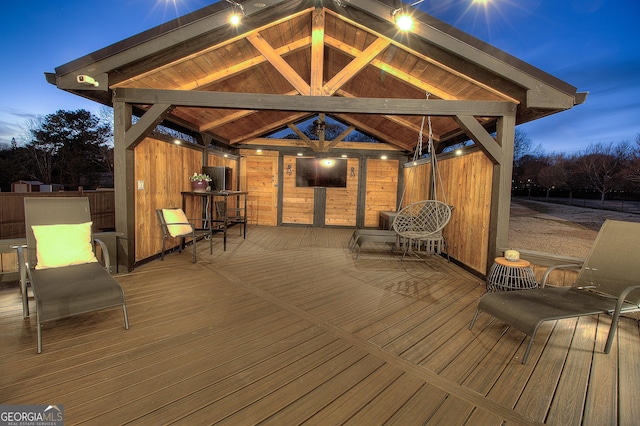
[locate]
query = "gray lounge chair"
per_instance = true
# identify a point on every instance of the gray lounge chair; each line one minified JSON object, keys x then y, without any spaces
{"x":181,"y":228}
{"x":62,"y":291}
{"x":608,"y":282}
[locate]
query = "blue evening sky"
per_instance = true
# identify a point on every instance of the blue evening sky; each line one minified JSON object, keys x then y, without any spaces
{"x":591,"y":44}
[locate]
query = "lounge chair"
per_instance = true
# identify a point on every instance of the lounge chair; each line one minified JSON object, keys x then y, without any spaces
{"x":175,"y":224}
{"x":61,"y":265}
{"x":608,"y":282}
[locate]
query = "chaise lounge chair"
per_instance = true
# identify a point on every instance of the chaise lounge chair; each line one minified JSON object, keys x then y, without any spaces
{"x":608,"y":282}
{"x":64,"y":273}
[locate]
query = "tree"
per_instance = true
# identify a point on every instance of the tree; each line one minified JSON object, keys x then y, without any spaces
{"x":605,"y":166}
{"x":634,"y":164}
{"x":68,"y":145}
{"x":553,"y":174}
{"x":523,"y":147}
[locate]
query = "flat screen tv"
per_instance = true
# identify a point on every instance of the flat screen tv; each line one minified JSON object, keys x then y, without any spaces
{"x":327,"y":172}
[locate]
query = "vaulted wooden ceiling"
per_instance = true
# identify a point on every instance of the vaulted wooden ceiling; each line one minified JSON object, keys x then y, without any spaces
{"x":348,"y":50}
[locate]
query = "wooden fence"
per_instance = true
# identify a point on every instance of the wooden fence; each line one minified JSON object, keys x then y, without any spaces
{"x":102,"y":205}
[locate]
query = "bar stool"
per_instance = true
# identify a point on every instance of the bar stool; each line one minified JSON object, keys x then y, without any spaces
{"x":506,"y":275}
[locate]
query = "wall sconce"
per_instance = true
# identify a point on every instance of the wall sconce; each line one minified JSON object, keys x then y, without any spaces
{"x":289,"y":171}
{"x":353,"y":172}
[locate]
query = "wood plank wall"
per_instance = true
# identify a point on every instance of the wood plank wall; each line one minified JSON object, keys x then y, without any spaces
{"x":466,"y":183}
{"x":258,"y":176}
{"x":382,"y":189}
{"x":164,"y":168}
{"x":297,"y":202}
{"x":417,"y":180}
{"x":342,"y":203}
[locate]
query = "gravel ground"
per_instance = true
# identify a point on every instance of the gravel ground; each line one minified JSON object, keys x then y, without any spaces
{"x":556,"y":228}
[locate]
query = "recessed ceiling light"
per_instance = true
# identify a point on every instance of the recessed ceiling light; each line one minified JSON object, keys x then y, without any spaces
{"x":259,"y":4}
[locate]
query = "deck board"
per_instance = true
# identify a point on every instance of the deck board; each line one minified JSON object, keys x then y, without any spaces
{"x":287,"y":327}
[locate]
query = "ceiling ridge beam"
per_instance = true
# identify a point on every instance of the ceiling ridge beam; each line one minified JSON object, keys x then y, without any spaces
{"x":317,"y":51}
{"x":279,"y":63}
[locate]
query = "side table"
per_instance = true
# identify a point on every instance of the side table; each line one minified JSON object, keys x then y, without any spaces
{"x":506,"y":275}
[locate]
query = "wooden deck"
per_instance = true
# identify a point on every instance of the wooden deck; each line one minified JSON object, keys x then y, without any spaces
{"x":286,"y":327}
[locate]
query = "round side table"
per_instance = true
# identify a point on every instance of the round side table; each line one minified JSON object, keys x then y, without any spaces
{"x":505,"y":275}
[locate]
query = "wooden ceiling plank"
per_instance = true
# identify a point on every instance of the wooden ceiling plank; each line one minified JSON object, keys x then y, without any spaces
{"x":317,"y":51}
{"x":557,"y":98}
{"x":355,"y":66}
{"x":243,"y":66}
{"x":400,"y":75}
{"x":233,"y":116}
{"x":237,"y":115}
{"x":436,"y":63}
{"x":279,"y":63}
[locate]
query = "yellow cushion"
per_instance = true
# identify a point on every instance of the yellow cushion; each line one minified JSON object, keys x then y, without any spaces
{"x":180,"y":220}
{"x":63,"y":245}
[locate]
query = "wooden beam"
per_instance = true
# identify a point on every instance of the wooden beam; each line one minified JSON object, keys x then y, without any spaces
{"x":304,"y":137}
{"x":146,"y":123}
{"x":279,"y":64}
{"x":236,"y":115}
{"x":481,"y":137}
{"x":400,"y":75}
{"x":340,"y":137}
{"x":310,"y":104}
{"x":243,"y":66}
{"x":355,"y":66}
{"x":124,"y":176}
{"x":317,"y":51}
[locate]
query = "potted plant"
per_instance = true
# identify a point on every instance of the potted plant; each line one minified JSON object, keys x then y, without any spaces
{"x":199,"y":182}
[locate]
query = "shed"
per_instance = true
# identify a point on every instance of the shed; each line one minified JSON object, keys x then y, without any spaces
{"x":289,"y":61}
{"x":26,"y":186}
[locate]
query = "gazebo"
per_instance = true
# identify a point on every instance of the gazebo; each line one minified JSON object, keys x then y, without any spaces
{"x":227,"y":87}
